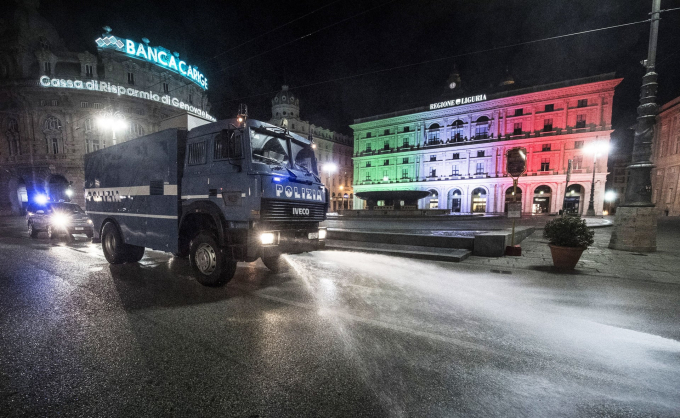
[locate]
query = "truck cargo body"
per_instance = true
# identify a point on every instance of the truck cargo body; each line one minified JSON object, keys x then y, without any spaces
{"x":252,"y":186}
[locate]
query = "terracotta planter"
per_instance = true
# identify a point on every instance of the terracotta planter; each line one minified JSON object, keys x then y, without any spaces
{"x":565,"y":258}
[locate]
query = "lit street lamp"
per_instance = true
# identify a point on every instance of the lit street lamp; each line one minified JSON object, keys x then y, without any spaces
{"x":596,"y":149}
{"x":113,"y":121}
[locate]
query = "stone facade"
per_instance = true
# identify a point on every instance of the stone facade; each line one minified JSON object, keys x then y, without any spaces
{"x":331,"y":147}
{"x":666,"y":158}
{"x":46,"y":130}
{"x":458,"y":153}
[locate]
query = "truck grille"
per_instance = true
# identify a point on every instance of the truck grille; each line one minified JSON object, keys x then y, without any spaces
{"x":294,"y":212}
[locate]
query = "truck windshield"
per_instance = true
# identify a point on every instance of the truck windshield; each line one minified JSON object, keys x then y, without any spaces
{"x":273,"y":151}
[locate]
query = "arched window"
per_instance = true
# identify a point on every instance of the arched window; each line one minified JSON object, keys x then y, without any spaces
{"x":457,"y":131}
{"x":482,"y":128}
{"x":53,"y":135}
{"x":433,"y":134}
{"x":12,"y":134}
{"x":52,"y":124}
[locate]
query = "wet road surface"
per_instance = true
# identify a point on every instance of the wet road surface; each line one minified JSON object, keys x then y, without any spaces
{"x":340,"y":334}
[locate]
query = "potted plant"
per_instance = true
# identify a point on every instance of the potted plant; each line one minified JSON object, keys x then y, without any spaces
{"x":568,"y":238}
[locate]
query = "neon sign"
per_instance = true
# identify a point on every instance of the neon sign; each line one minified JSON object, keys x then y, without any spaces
{"x":458,"y":102}
{"x":94,"y":85}
{"x":156,"y":55}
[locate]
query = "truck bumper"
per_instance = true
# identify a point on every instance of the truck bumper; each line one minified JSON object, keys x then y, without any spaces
{"x":286,"y":242}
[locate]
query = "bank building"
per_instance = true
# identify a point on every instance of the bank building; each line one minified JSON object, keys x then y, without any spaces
{"x":56,"y":105}
{"x":455,"y":148}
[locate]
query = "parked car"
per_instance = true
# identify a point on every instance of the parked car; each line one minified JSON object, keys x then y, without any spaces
{"x":57,"y":219}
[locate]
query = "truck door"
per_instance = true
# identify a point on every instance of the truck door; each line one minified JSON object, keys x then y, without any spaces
{"x":229,"y":189}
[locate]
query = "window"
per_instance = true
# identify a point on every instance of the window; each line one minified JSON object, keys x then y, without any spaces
{"x":368,"y":147}
{"x":131,"y":78}
{"x":386,"y":162}
{"x":404,"y":173}
{"x":480,"y":153}
{"x":433,"y":172}
{"x":47,"y":66}
{"x":88,"y":125}
{"x":580,"y":121}
{"x":89,"y":70}
{"x":407,"y":129}
{"x":549,"y":107}
{"x":519,"y":112}
{"x":454,"y":171}
{"x":404,"y":160}
{"x":482,"y":131}
{"x":135,"y":130}
{"x":385,"y":175}
{"x":386,"y":132}
{"x":166,"y":88}
{"x":577,"y":162}
{"x":386,"y":145}
{"x":433,"y":137}
{"x":368,"y":134}
{"x":433,"y":158}
{"x":97,"y":105}
{"x":43,"y":103}
{"x":455,"y":156}
{"x":546,"y":147}
{"x":55,"y":102}
{"x":545,"y":164}
{"x":480,"y":168}
{"x":84,"y":105}
{"x":517,"y":128}
{"x":368,"y":163}
{"x":55,"y":145}
{"x":12,"y":134}
{"x":92,"y":145}
{"x":368,"y":176}
{"x":582,"y":103}
{"x":404,"y":142}
{"x":197,"y":153}
{"x":578,"y":144}
{"x":547,"y":125}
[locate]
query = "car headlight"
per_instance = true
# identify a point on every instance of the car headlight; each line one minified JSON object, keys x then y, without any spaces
{"x":267,"y":238}
{"x":322,"y":234}
{"x":59,"y":220}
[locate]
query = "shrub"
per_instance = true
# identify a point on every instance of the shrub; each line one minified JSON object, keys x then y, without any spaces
{"x":568,"y":232}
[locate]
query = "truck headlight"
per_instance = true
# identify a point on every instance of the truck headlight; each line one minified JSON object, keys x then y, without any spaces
{"x":59,"y":220}
{"x":89,"y":221}
{"x":268,"y":238}
{"x":322,"y":234}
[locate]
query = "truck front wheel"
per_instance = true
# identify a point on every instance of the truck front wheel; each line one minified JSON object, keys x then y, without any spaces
{"x":112,"y":244}
{"x":211,"y":266}
{"x":275,"y":263}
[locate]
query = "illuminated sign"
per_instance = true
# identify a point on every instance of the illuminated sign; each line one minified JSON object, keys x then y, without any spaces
{"x":458,"y":102}
{"x":102,"y":86}
{"x":156,"y":55}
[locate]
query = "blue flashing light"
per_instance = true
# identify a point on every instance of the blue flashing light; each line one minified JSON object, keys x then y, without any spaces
{"x":40,"y":199}
{"x":277,"y":179}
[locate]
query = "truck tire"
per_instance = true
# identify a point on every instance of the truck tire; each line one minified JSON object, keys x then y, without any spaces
{"x":32,"y":232}
{"x":275,"y":263}
{"x":113,"y":246}
{"x":135,"y":253}
{"x":211,"y":266}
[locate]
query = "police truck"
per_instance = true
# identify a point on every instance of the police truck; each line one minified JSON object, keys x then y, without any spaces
{"x":219,"y":193}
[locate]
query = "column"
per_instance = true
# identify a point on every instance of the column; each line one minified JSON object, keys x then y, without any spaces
{"x":447,"y":130}
{"x":565,"y":114}
{"x":469,"y":129}
{"x":502,"y":122}
{"x":533,"y":120}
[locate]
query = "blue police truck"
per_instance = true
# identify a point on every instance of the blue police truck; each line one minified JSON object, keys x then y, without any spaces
{"x":219,"y":193}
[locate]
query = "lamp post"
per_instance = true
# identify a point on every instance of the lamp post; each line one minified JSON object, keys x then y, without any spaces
{"x":329,"y":168}
{"x":113,"y":121}
{"x":597,"y":149}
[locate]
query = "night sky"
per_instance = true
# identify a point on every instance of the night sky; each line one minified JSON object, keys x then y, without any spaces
{"x":366,"y":36}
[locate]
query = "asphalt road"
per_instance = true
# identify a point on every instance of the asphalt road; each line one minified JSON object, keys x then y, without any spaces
{"x":341,"y":334}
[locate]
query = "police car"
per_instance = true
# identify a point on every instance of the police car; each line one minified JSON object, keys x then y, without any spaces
{"x":57,"y":219}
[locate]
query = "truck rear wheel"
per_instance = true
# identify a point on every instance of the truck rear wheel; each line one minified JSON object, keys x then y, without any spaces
{"x":275,"y":263}
{"x":211,"y":266}
{"x":113,"y":246}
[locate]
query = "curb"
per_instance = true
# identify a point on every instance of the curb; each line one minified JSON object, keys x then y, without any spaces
{"x":456,"y":256}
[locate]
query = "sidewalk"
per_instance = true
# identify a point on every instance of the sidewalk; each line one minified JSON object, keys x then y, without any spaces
{"x":598,"y":260}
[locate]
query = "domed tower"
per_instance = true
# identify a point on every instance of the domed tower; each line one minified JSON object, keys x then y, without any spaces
{"x":285,"y":105}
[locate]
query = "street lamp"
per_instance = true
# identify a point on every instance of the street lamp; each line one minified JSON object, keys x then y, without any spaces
{"x":596,"y":149}
{"x":113,"y":121}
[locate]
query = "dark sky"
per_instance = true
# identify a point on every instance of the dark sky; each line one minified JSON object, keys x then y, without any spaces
{"x":393,"y":33}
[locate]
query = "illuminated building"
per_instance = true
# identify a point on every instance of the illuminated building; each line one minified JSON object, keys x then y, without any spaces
{"x":51,"y":100}
{"x":666,"y":158}
{"x":333,"y":150}
{"x":455,"y":148}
